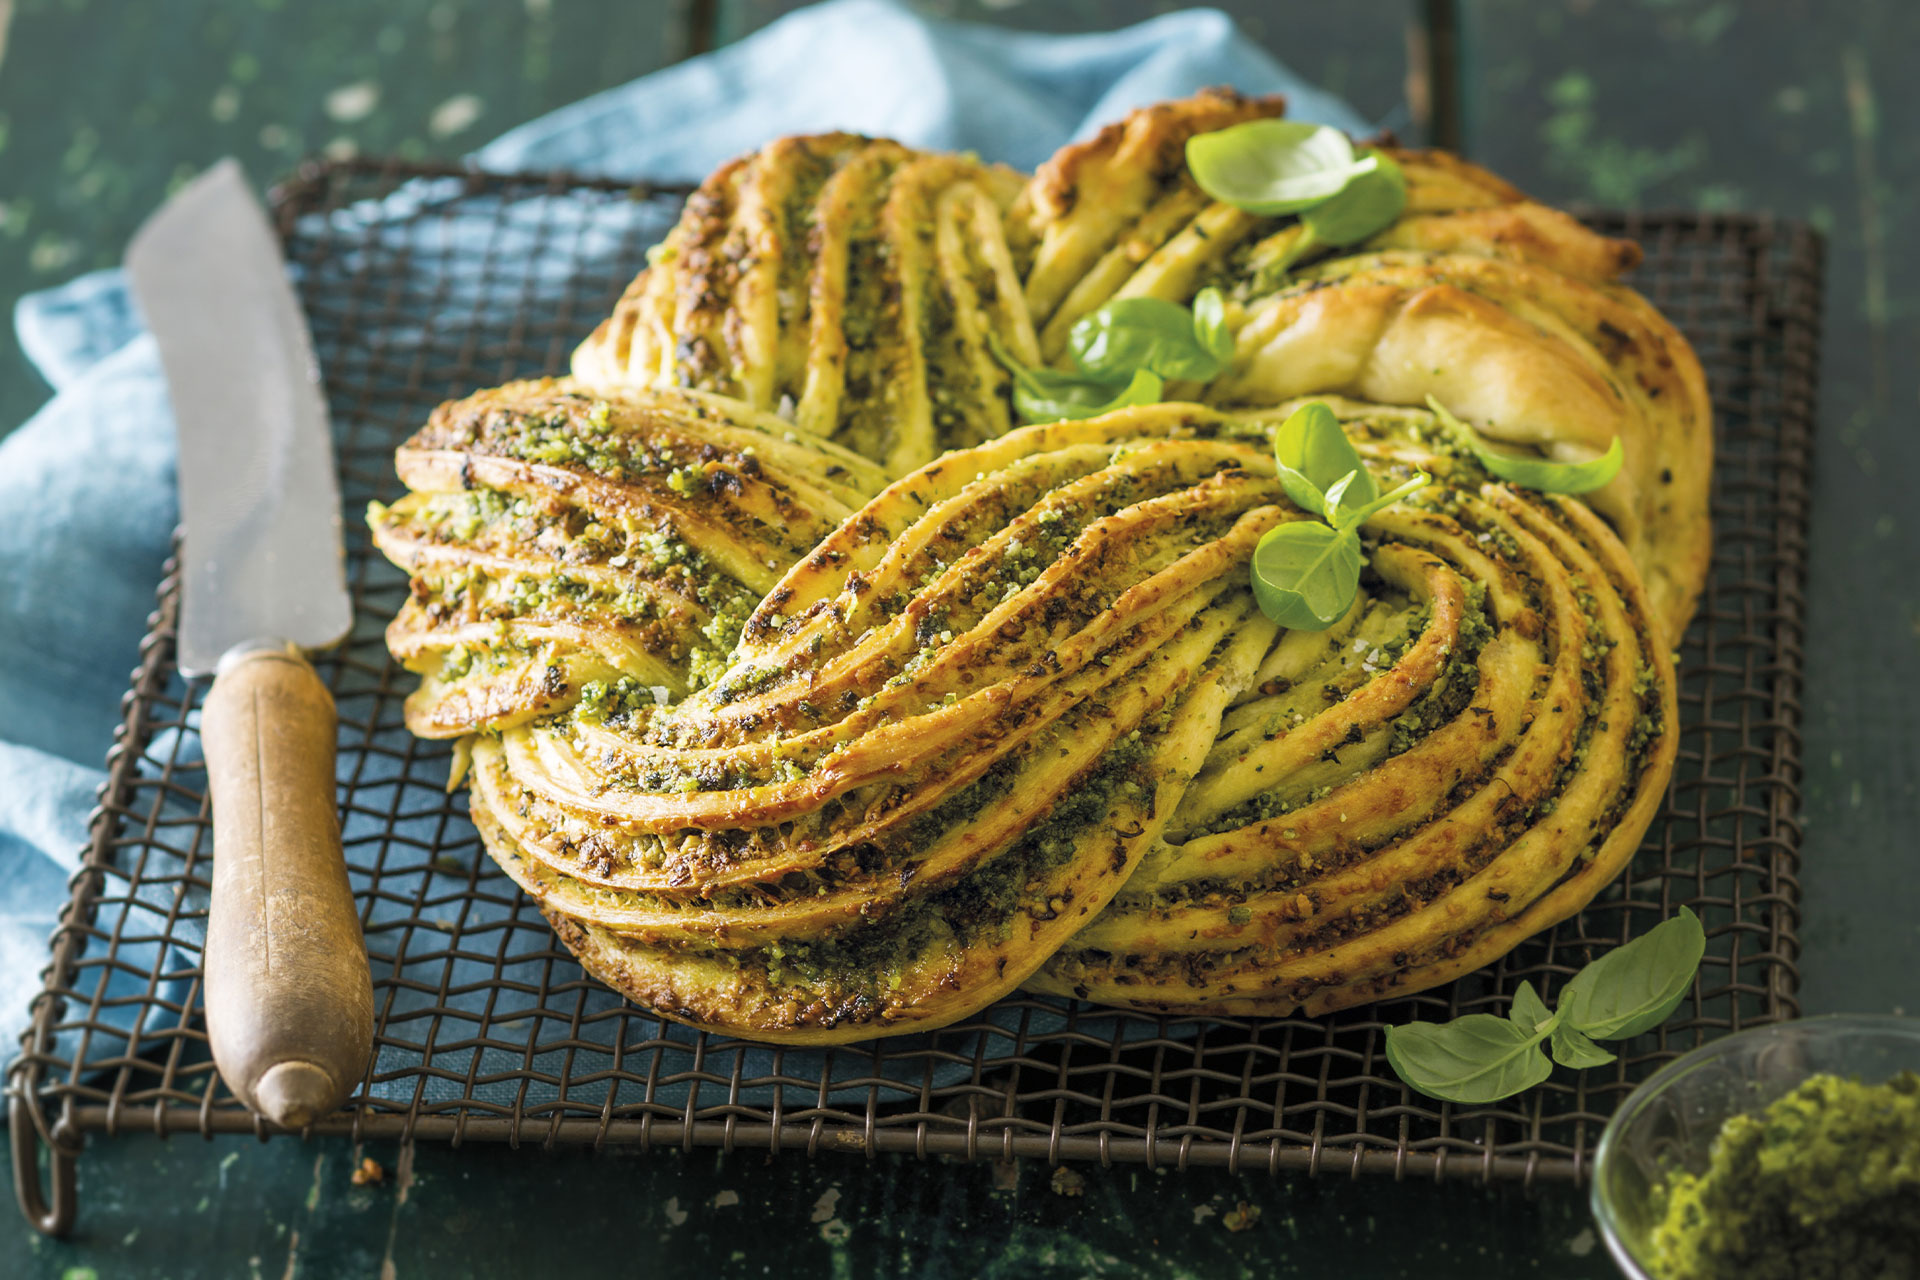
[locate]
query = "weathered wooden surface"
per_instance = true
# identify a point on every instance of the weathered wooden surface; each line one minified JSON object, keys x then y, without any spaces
{"x":1811,"y":111}
{"x":190,"y":1210}
{"x":106,"y":104}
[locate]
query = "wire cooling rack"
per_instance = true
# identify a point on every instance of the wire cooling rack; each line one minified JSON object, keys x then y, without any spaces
{"x":425,"y":283}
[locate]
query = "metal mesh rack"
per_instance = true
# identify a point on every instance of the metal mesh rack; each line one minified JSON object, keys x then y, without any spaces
{"x":423,"y":283}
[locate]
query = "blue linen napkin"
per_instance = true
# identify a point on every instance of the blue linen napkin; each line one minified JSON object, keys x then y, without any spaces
{"x":88,"y":486}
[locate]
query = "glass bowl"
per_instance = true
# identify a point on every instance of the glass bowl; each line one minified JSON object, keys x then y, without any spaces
{"x":1670,"y":1121}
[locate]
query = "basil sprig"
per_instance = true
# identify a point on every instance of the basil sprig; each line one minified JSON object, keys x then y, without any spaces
{"x":1482,"y":1057}
{"x":1123,"y":354}
{"x":1540,"y":474}
{"x":1305,"y":573}
{"x":1152,"y":333}
{"x":1210,"y":328}
{"x":1051,"y":395}
{"x":1313,"y":453}
{"x":1272,"y":167}
{"x":1365,"y":206}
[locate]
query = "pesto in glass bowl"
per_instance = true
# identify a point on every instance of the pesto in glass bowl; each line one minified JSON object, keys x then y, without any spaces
{"x":1788,"y":1152}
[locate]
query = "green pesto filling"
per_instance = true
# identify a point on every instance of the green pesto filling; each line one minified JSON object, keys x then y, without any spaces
{"x":557,"y":438}
{"x":961,"y":807}
{"x":615,"y":702}
{"x":1459,"y":680}
{"x":463,"y":515}
{"x":1651,"y":723}
{"x":1023,"y":558}
{"x":1824,"y":1182}
{"x":1265,"y":806}
{"x":985,"y":901}
{"x":722,"y":631}
{"x":871,"y":961}
{"x":742,"y":681}
{"x":729,"y":603}
{"x":524,"y":595}
{"x":1442,"y":703}
{"x":657,"y":552}
{"x":654,"y":552}
{"x":1201,"y":891}
{"x":591,"y":442}
{"x":463,"y":660}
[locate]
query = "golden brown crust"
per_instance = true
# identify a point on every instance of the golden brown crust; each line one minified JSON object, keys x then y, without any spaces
{"x":1526,"y":353}
{"x":1144,"y":150}
{"x":1522,"y":231}
{"x":1440,"y":181}
{"x":899,"y":825}
{"x":846,"y":282}
{"x":1532,"y":776}
{"x":798,"y":728}
{"x":557,"y":536}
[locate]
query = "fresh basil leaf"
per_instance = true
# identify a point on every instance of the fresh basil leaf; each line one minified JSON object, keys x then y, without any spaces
{"x":1366,"y":206}
{"x":1636,"y":986}
{"x":1051,"y":395}
{"x":1473,"y":1059}
{"x":1529,"y":1011}
{"x":1141,"y":333}
{"x":1540,"y":474}
{"x":1572,"y":1048}
{"x":1275,"y":166}
{"x":1210,"y":325}
{"x":1341,"y":516}
{"x":1480,"y":1057}
{"x":1313,"y":453}
{"x":1305,"y":574}
{"x":1335,"y":495}
{"x":1047,"y":395}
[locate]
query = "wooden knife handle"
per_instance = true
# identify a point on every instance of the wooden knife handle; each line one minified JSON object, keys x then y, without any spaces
{"x":289,"y":999}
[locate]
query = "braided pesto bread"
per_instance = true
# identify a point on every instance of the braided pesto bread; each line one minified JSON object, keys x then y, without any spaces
{"x":815,"y":700}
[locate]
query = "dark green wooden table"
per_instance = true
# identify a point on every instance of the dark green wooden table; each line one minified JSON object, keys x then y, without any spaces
{"x":1778,"y":105}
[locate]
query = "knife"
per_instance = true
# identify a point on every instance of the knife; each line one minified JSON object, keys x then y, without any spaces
{"x":288,"y":996}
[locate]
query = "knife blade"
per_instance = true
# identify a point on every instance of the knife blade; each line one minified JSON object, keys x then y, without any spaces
{"x":288,"y":997}
{"x":259,"y":503}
